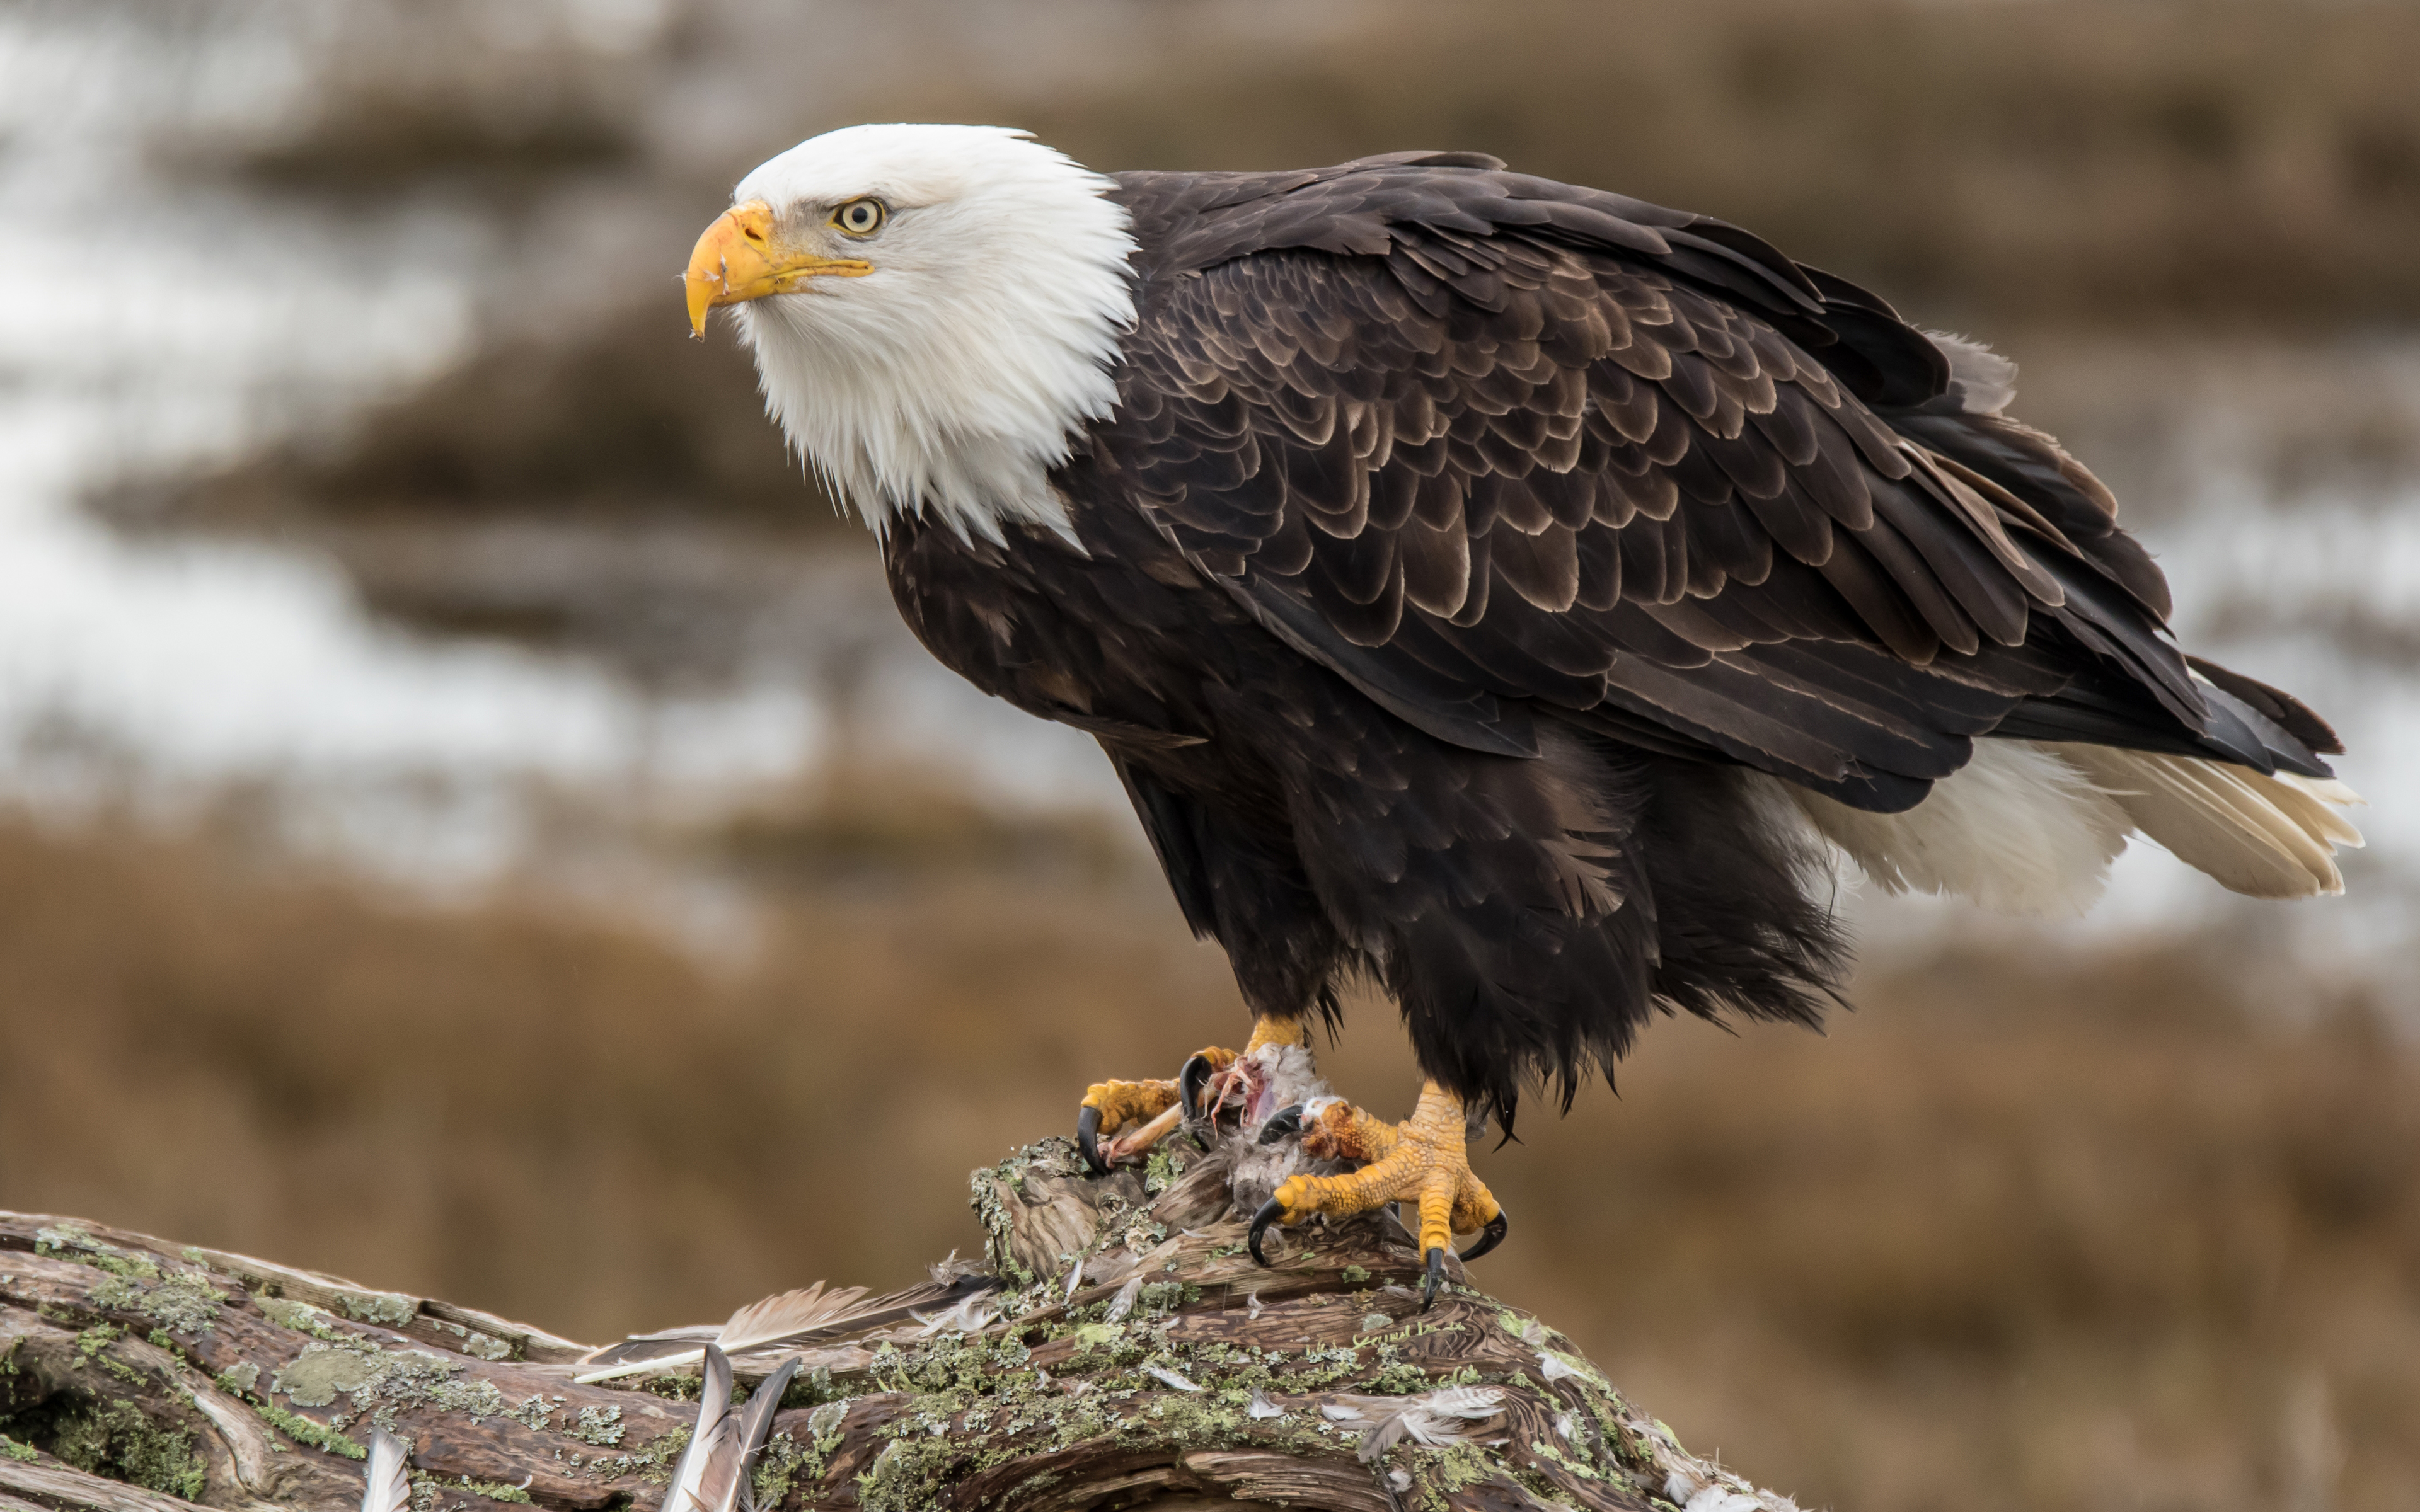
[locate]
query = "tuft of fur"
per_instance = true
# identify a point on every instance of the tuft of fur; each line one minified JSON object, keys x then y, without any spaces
{"x":958,"y":373}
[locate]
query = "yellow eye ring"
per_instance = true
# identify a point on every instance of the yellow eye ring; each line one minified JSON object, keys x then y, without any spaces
{"x":860,"y":217}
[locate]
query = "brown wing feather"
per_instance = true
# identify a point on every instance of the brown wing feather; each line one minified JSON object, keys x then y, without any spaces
{"x":1477,"y":441}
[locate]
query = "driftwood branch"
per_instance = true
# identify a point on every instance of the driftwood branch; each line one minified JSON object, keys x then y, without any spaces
{"x":1119,"y":1349}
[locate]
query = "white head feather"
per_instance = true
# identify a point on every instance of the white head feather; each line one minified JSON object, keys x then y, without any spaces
{"x":954,"y":376}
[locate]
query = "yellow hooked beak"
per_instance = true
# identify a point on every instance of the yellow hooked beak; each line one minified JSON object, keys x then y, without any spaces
{"x":736,"y":259}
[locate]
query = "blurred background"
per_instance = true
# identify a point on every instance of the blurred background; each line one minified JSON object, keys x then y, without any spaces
{"x":470,"y":819}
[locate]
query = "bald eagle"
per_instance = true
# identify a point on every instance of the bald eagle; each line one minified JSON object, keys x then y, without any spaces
{"x":1513,"y":591}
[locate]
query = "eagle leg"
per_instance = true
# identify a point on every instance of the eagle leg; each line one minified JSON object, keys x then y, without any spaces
{"x":1423,"y":1160}
{"x":1223,"y":1086}
{"x":1150,"y":1111}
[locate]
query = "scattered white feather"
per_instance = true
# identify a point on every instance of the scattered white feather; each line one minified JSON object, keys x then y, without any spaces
{"x":713,"y":1470}
{"x":1252,"y":1306}
{"x":781,"y":1319}
{"x":1262,"y":1409}
{"x":1124,"y":1303}
{"x":1696,"y":1487}
{"x":389,"y":1488}
{"x":1170,"y":1378}
{"x":1567,"y":1423}
{"x":699,"y":1475}
{"x":1457,"y":1414}
{"x":760,"y":1325}
{"x":1074,"y":1279}
{"x":1554,"y":1368}
{"x":972,"y":1315}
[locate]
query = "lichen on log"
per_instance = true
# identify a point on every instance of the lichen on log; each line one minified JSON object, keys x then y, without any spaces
{"x":1131,"y":1354}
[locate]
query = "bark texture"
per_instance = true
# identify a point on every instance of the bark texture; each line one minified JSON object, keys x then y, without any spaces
{"x":1132,"y":1355}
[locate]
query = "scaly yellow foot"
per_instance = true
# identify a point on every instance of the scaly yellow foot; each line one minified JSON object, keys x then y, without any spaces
{"x":1148,"y":1111}
{"x":1422,"y":1159}
{"x":1109,"y":1106}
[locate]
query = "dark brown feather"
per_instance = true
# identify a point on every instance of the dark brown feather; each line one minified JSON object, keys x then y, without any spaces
{"x":1459,"y":533}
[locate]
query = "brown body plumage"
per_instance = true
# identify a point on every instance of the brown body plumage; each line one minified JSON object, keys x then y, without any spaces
{"x":1477,"y":571}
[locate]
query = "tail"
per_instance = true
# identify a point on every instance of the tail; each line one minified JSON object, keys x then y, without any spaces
{"x":2031,"y":826}
{"x":2267,"y":836}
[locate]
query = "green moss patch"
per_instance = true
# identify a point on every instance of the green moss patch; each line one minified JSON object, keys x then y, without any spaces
{"x":113,"y":1439}
{"x":318,"y":1435}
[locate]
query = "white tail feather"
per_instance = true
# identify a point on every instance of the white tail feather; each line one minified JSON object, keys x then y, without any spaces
{"x":2253,"y":833}
{"x":2328,"y":790}
{"x":2031,"y":826}
{"x":2016,"y":828}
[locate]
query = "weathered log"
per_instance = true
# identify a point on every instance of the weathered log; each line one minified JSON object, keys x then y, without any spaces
{"x":1131,"y":1354}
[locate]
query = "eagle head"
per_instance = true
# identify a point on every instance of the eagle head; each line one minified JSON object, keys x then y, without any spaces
{"x":933,"y":310}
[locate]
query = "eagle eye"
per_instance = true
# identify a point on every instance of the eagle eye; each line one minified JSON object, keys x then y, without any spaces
{"x":860,"y":217}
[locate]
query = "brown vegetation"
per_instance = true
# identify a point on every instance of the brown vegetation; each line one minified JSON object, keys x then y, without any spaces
{"x":2020,"y":1233}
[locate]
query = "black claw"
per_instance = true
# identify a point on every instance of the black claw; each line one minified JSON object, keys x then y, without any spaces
{"x":1190,"y":1081}
{"x":1270,"y":1212}
{"x":1489,"y":1237}
{"x":1282,"y":1123}
{"x":1435,"y":1278}
{"x":1088,"y":1139}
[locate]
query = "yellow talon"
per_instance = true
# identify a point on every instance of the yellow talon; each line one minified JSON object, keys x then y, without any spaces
{"x":1422,"y":1160}
{"x":1124,"y":1102}
{"x":1150,"y":1110}
{"x":1109,"y":1106}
